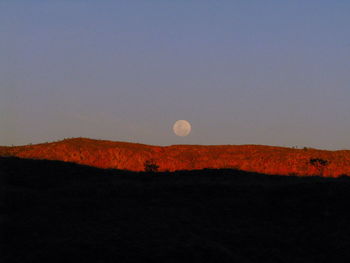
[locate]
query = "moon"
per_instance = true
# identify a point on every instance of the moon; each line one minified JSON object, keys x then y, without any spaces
{"x":182,"y":128}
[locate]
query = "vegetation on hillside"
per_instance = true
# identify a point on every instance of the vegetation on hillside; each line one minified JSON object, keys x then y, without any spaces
{"x":131,"y":156}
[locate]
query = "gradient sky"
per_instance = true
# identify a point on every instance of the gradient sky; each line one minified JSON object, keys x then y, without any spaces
{"x":242,"y":72}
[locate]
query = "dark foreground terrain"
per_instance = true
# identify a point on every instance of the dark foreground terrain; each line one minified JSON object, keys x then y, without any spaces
{"x":54,"y":212}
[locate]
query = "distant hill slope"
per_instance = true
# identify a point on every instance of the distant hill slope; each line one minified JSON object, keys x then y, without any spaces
{"x":132,"y":156}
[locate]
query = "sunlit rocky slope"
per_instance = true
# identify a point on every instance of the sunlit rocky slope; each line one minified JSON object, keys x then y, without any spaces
{"x":131,"y":156}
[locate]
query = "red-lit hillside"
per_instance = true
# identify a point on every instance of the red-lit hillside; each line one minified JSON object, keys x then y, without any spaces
{"x":131,"y":156}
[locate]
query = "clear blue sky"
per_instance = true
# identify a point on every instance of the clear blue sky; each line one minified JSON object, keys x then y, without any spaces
{"x":242,"y":72}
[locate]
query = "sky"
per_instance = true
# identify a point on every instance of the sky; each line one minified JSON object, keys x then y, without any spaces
{"x":241,"y":72}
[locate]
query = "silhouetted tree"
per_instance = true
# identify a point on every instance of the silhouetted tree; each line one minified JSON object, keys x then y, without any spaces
{"x":319,"y":164}
{"x":151,"y":166}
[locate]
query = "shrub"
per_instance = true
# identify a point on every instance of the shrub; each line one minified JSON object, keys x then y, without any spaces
{"x":319,"y":164}
{"x":151,"y":166}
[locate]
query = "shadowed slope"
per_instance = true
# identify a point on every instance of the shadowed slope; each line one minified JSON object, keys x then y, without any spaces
{"x":58,"y":212}
{"x":131,"y":156}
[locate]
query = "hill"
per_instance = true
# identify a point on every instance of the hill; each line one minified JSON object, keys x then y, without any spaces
{"x":132,"y":156}
{"x":54,"y":211}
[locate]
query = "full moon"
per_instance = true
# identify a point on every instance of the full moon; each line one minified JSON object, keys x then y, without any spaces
{"x":182,"y":128}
